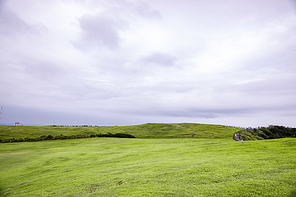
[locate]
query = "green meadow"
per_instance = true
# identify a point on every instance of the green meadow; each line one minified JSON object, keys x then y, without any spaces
{"x":159,"y":162}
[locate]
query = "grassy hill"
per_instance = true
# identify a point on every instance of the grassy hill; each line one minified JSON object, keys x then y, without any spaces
{"x":149,"y":130}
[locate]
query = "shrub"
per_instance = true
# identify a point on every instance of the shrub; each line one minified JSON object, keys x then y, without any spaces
{"x":59,"y":137}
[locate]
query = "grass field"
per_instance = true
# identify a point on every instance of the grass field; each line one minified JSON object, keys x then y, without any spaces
{"x":148,"y":167}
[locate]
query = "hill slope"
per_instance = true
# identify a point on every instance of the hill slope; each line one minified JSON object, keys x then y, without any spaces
{"x":149,"y":130}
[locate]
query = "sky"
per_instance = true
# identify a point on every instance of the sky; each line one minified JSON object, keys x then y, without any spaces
{"x":127,"y":62}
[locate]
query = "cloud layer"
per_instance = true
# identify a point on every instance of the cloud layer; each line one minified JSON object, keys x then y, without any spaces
{"x":130,"y":62}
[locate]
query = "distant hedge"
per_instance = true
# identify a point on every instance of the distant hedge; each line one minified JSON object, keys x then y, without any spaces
{"x":270,"y":132}
{"x":62,"y":137}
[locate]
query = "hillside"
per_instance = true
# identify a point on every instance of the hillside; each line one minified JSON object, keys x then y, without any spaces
{"x":149,"y":130}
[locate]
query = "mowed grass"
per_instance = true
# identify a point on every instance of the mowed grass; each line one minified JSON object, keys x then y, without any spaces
{"x":149,"y":167}
{"x":149,"y":130}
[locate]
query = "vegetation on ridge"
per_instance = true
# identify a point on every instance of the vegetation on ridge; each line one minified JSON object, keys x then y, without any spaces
{"x":271,"y":132}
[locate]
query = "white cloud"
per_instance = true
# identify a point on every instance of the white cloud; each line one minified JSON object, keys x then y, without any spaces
{"x":98,"y":31}
{"x":161,"y":59}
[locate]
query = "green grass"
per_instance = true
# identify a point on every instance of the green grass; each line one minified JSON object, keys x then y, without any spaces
{"x":149,"y":167}
{"x":149,"y":130}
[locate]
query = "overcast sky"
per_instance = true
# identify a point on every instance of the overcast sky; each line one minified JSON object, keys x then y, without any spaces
{"x":123,"y":62}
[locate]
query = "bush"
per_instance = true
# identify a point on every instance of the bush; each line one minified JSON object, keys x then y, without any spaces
{"x":49,"y":137}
